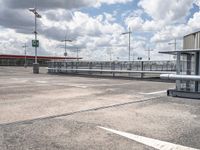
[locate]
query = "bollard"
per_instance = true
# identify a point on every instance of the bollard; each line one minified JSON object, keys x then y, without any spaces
{"x":36,"y":68}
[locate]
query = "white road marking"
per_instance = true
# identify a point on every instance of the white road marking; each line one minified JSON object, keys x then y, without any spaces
{"x":21,"y":86}
{"x":41,"y":82}
{"x":80,"y":86}
{"x":157,"y":92}
{"x":157,"y":144}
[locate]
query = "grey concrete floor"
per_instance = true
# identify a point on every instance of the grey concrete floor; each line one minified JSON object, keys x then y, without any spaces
{"x":63,"y":112}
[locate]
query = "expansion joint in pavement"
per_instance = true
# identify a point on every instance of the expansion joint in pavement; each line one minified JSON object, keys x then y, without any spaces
{"x":29,"y":121}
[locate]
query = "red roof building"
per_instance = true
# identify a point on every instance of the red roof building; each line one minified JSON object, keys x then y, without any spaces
{"x":38,"y":57}
{"x":19,"y":60}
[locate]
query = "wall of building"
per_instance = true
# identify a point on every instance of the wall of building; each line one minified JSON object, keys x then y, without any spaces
{"x":189,"y":42}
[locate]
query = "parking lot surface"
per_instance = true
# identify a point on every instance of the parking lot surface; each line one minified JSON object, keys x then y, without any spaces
{"x":72,"y":112}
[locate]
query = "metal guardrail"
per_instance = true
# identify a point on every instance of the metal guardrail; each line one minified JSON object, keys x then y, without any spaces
{"x":127,"y":69}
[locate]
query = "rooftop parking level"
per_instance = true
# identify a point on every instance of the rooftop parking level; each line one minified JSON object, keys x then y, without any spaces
{"x":43,"y":111}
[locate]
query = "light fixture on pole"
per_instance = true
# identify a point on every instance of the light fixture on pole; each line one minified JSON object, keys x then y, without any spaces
{"x":129,"y":33}
{"x":35,"y":43}
{"x":25,"y":62}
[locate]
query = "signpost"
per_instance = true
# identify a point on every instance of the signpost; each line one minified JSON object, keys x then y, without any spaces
{"x":35,"y":43}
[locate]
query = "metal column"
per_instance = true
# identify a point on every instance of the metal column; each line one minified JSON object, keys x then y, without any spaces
{"x":178,"y":70}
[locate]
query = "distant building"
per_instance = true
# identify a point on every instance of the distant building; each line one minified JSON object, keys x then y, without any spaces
{"x":19,"y":60}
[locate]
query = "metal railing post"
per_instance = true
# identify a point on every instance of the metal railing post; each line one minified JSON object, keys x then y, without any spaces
{"x":142,"y":69}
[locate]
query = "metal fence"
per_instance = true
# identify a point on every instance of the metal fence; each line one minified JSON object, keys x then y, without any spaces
{"x":76,"y":66}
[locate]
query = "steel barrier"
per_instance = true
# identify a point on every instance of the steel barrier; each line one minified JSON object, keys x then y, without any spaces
{"x":127,"y":69}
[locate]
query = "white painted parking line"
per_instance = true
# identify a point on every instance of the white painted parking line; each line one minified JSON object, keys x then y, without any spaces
{"x":157,"y":144}
{"x":80,"y":86}
{"x":41,"y":81}
{"x":157,"y":92}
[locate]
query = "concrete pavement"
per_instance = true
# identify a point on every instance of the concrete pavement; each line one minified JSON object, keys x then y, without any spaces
{"x":63,"y":112}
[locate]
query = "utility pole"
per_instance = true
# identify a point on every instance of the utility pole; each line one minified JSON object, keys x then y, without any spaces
{"x":25,"y":63}
{"x":65,"y":40}
{"x":149,"y":53}
{"x":129,"y":44}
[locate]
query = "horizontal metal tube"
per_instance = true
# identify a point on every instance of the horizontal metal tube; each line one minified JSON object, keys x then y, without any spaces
{"x":180,"y":77}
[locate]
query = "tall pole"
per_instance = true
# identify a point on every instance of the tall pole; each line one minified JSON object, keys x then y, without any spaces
{"x":35,"y":32}
{"x":77,"y":55}
{"x":149,"y":53}
{"x":129,"y":55}
{"x":25,"y":62}
{"x":129,"y":43}
{"x":35,"y":38}
{"x":35,"y":43}
{"x":75,"y":50}
{"x":175,"y":44}
{"x":65,"y":49}
{"x":110,"y":55}
{"x":65,"y":40}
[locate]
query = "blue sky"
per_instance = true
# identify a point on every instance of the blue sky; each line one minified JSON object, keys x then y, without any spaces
{"x":193,"y":10}
{"x":119,"y":8}
{"x":128,"y":8}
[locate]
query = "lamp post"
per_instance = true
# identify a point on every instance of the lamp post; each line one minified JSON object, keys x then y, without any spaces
{"x":173,"y":43}
{"x":149,"y":53}
{"x":129,"y":33}
{"x":25,"y":63}
{"x":35,"y":43}
{"x":110,"y":54}
{"x":65,"y":40}
{"x":77,"y":55}
{"x":76,"y":49}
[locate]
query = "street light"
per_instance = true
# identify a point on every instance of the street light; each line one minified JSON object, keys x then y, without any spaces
{"x":65,"y":40}
{"x":35,"y":43}
{"x":77,"y":55}
{"x":77,"y":50}
{"x":33,"y":10}
{"x":129,"y":33}
{"x":149,"y":53}
{"x":175,"y":45}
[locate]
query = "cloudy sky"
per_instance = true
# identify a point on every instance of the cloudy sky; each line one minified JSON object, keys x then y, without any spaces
{"x":95,"y":26}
